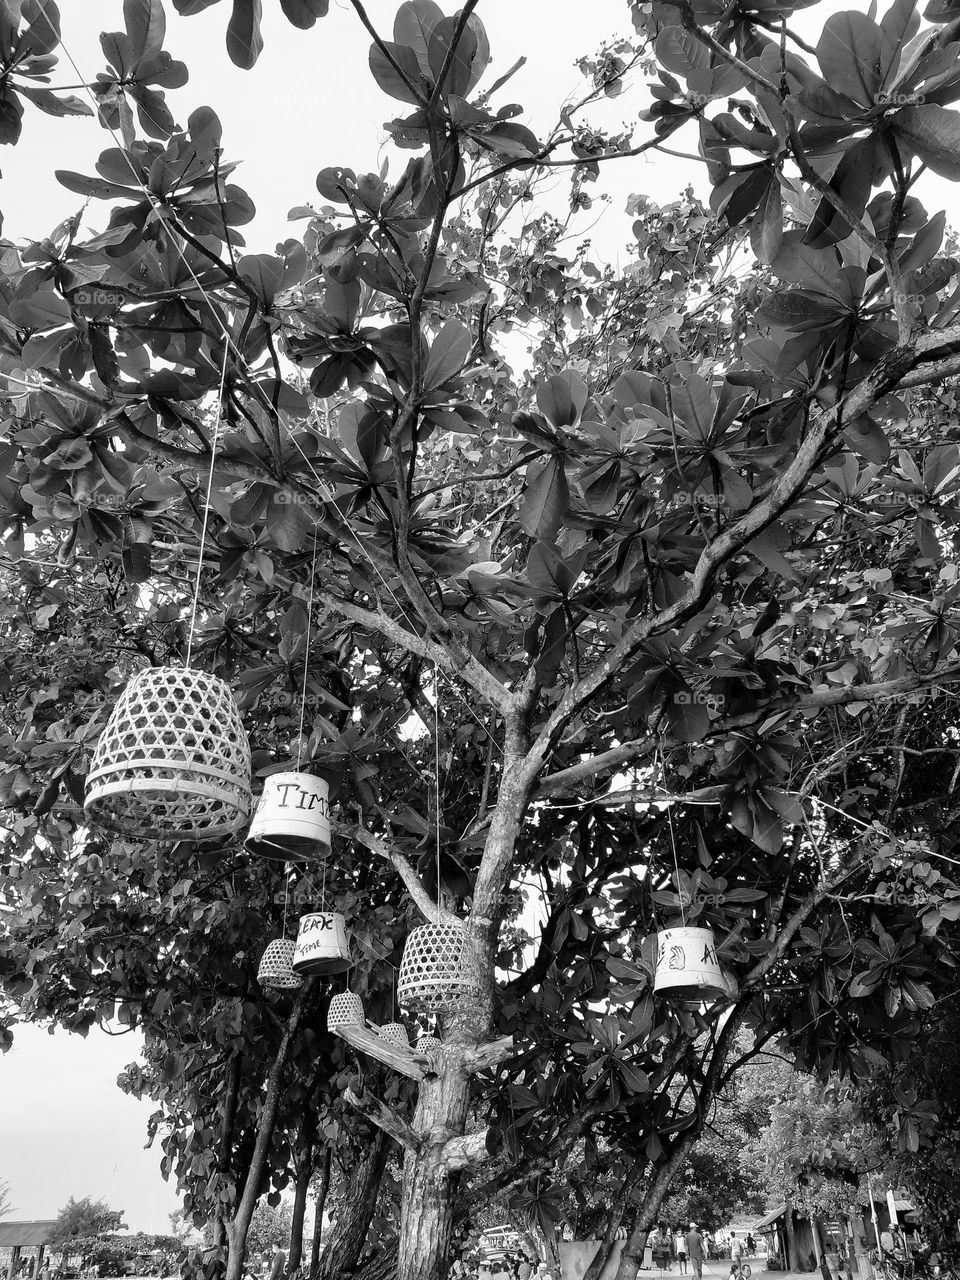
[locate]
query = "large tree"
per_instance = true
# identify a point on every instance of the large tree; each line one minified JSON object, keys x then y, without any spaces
{"x":670,"y":607}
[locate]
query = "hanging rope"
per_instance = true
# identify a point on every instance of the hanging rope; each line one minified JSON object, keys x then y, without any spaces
{"x":306,"y":652}
{"x":436,"y":767}
{"x":673,"y":840}
{"x":206,"y":506}
{"x":286,"y":894}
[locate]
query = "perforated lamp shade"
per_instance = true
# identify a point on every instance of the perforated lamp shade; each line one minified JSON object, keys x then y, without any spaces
{"x":395,"y":1033}
{"x":345,"y":1010}
{"x":434,"y":974}
{"x":173,"y":762}
{"x":275,"y":972}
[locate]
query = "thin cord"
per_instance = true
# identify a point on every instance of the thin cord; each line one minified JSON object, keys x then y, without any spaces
{"x":436,"y":761}
{"x":306,"y":653}
{"x":228,"y":338}
{"x":206,"y":509}
{"x":286,"y":894}
{"x":673,"y":840}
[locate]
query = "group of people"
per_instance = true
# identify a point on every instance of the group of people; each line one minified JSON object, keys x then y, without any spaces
{"x":692,"y":1248}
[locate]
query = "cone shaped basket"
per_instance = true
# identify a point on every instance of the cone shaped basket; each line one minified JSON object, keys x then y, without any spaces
{"x":173,"y":762}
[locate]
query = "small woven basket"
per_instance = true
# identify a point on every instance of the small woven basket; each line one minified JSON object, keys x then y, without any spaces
{"x":275,"y":971}
{"x":173,"y":762}
{"x":434,"y":977}
{"x":345,"y":1010}
{"x":427,"y":1043}
{"x":395,"y":1033}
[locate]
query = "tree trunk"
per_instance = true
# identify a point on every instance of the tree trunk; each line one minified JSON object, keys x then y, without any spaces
{"x":304,"y":1171}
{"x":240,"y":1226}
{"x":655,"y":1195}
{"x":606,"y":1246}
{"x":793,"y":1263}
{"x":230,"y":1099}
{"x":348,"y":1234}
{"x":318,"y":1211}
{"x":429,"y":1183}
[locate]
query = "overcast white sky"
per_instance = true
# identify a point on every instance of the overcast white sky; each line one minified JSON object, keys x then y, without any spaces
{"x":65,"y":1128}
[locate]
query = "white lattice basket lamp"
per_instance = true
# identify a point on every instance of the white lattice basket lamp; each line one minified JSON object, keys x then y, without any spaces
{"x":395,"y":1033}
{"x":427,"y":1044}
{"x":434,"y":975}
{"x":345,"y":1010}
{"x":173,"y":762}
{"x":275,"y":971}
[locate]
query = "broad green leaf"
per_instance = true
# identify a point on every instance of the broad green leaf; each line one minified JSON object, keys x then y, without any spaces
{"x":545,"y":500}
{"x":406,"y":87}
{"x":850,"y":54}
{"x":933,"y":133}
{"x":413,"y":26}
{"x":304,"y":13}
{"x":146,"y":25}
{"x":244,"y":39}
{"x":448,"y":354}
{"x":562,"y":398}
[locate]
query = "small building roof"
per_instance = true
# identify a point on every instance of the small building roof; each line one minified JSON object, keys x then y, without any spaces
{"x":25,"y":1234}
{"x":771,"y":1217}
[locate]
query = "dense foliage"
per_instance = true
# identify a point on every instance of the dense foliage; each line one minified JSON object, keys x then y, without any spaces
{"x":661,"y":630}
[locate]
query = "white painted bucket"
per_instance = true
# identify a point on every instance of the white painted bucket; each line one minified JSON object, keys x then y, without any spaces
{"x":687,"y":965}
{"x":292,"y":821}
{"x":323,"y":945}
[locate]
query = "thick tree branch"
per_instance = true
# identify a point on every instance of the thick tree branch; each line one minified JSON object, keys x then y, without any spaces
{"x":465,"y":1151}
{"x":488,"y":1055}
{"x":629,"y":752}
{"x":456,"y":663}
{"x":401,"y":865}
{"x":384,"y":1117}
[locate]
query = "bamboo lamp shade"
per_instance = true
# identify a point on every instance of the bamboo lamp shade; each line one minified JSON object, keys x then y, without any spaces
{"x":434,"y":975}
{"x":345,"y":1010}
{"x":427,"y":1043}
{"x":395,"y":1033}
{"x":275,"y":970}
{"x":173,"y":762}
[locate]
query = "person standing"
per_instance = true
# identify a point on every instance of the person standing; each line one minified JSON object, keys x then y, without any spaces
{"x":694,"y":1243}
{"x":680,"y":1246}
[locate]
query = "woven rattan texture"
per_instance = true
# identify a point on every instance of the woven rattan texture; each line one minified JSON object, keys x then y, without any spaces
{"x":173,"y":761}
{"x":395,"y":1033}
{"x":274,"y":970}
{"x":433,"y":975}
{"x":426,"y":1043}
{"x":346,"y":1009}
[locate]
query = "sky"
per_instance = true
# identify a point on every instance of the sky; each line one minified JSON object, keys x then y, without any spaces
{"x":65,"y":1128}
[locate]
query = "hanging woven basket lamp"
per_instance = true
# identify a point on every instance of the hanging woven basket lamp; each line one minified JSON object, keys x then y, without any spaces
{"x":425,"y":1044}
{"x":434,"y":974}
{"x":345,"y":1010}
{"x":395,"y":1033}
{"x":275,"y":971}
{"x":173,"y":762}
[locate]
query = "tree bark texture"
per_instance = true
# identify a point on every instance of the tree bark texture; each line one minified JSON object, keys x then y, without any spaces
{"x":429,"y":1183}
{"x":348,"y":1233}
{"x":318,"y":1211}
{"x":238,"y":1229}
{"x":304,"y":1172}
{"x":230,"y":1098}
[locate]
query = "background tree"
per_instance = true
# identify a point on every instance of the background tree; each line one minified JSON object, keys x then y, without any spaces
{"x":6,"y":1204}
{"x":84,"y":1217}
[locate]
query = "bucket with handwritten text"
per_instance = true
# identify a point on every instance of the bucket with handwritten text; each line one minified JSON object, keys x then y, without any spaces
{"x":292,"y":822}
{"x":323,"y":944}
